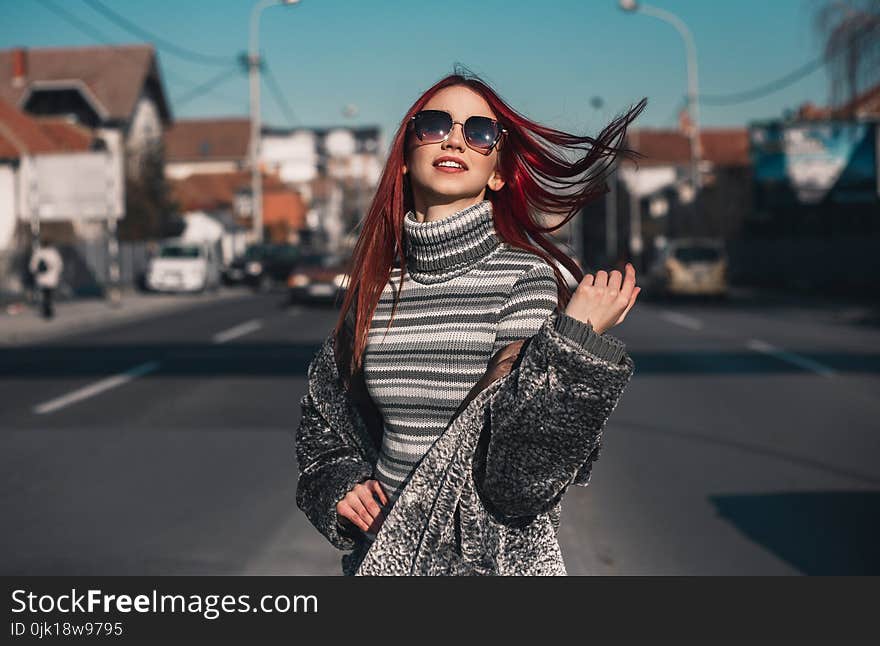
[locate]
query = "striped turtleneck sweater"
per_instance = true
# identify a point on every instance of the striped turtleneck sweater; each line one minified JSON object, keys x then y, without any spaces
{"x":466,"y":294}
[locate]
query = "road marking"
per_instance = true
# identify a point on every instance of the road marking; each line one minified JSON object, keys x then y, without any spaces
{"x":237,"y":331}
{"x":682,"y":319}
{"x":96,"y":388}
{"x":796,"y":359}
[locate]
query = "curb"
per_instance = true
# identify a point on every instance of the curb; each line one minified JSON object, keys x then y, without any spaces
{"x":102,"y":314}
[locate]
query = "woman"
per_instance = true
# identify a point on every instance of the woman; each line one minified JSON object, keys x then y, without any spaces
{"x":454,"y":402}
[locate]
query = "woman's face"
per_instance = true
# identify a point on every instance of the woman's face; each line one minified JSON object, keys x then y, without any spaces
{"x":435,"y":185}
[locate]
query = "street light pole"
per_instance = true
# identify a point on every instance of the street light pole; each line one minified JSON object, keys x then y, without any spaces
{"x":631,"y":6}
{"x":256,"y":126}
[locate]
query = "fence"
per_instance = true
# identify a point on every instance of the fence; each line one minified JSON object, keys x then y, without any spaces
{"x":840,"y":265}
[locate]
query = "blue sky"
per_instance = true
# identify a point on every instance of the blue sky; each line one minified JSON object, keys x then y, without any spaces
{"x":547,"y":59}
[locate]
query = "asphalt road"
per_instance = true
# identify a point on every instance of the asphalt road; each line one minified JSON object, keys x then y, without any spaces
{"x":746,"y":443}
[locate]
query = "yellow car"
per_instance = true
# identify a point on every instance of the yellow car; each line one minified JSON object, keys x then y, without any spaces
{"x":693,"y":266}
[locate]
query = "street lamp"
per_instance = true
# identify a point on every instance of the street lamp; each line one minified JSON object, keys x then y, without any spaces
{"x":632,"y":6}
{"x":254,"y":75}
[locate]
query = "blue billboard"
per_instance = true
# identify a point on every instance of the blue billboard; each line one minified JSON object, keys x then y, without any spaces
{"x":811,"y":162}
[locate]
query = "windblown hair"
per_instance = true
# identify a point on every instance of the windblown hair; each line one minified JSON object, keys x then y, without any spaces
{"x":539,"y":179}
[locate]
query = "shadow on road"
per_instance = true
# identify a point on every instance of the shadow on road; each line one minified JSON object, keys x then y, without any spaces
{"x":819,"y":533}
{"x":291,"y":359}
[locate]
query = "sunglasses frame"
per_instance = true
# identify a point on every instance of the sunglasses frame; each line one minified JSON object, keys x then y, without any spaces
{"x":502,"y":131}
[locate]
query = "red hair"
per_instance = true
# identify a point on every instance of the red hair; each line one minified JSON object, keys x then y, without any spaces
{"x":538,"y":179}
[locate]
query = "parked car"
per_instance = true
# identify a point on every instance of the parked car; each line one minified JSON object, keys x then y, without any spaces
{"x":693,"y":266}
{"x":236,"y":272}
{"x":182,"y":266}
{"x":262,"y":266}
{"x":319,"y":277}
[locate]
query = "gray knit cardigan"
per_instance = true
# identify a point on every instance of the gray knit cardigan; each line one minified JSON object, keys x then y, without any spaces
{"x":486,"y":498}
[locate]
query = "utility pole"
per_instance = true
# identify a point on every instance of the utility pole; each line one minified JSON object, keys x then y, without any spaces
{"x":631,"y":6}
{"x":254,"y":64}
{"x":611,"y":216}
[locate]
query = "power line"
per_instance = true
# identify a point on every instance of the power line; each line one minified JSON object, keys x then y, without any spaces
{"x":279,"y":97}
{"x":204,"y":88}
{"x":84,"y":27}
{"x":783,"y":82}
{"x":102,"y":38}
{"x":763,"y":90}
{"x":181,"y":52}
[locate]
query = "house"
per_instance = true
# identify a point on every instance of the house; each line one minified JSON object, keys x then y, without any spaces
{"x":200,"y":146}
{"x":336,"y":169}
{"x":333,"y":170}
{"x":116,"y":91}
{"x":226,"y":197}
{"x":52,"y":171}
{"x":654,"y":199}
{"x":865,"y":105}
{"x":662,"y":181}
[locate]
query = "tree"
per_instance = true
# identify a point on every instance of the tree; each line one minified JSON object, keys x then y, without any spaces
{"x":850,"y":32}
{"x":150,"y":211}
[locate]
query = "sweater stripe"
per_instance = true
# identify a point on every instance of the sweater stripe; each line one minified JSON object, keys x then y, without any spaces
{"x":465,"y":294}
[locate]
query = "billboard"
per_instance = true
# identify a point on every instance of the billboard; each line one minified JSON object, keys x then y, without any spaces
{"x":72,"y":186}
{"x":806,"y":163}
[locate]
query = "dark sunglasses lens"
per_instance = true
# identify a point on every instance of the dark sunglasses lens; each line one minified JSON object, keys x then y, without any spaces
{"x":481,"y":132}
{"x":432,"y":125}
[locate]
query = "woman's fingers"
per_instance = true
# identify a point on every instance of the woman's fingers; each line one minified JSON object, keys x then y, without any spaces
{"x":366,"y":496}
{"x":377,"y":487}
{"x":360,"y":507}
{"x":355,"y":503}
{"x":632,"y":301}
{"x":587,"y":281}
{"x":346,"y":511}
{"x":629,"y":280}
{"x":614,"y":279}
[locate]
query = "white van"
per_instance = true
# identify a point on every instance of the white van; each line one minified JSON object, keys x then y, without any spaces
{"x":184,"y":267}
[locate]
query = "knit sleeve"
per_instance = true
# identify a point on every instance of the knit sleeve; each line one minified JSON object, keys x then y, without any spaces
{"x":330,"y":462}
{"x":533,"y":298}
{"x":545,"y":424}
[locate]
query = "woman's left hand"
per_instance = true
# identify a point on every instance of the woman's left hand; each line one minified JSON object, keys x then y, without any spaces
{"x":605,"y":301}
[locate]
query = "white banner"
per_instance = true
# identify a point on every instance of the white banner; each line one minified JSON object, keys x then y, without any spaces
{"x":72,"y":186}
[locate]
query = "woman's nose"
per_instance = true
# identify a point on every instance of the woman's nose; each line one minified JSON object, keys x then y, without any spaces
{"x":456,"y":138}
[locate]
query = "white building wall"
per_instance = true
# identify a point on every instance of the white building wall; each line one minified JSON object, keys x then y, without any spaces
{"x":146,"y":125}
{"x":293,"y":156}
{"x":7,"y":207}
{"x":182,"y":170}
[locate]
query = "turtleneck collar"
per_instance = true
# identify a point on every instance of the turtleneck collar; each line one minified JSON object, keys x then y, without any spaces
{"x":440,"y":250}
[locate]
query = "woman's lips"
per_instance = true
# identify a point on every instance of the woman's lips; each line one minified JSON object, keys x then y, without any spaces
{"x":449,"y":169}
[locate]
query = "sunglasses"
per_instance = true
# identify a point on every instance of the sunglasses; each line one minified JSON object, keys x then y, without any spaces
{"x":434,"y":126}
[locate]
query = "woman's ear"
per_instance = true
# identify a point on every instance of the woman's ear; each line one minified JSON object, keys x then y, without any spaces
{"x":496,"y":182}
{"x":405,"y":170}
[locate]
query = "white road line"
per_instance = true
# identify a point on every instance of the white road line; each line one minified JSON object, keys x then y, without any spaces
{"x":682,"y":319}
{"x":96,"y":388}
{"x":796,"y":359}
{"x":237,"y":331}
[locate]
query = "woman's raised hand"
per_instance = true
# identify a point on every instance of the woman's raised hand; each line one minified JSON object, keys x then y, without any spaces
{"x":359,"y":507}
{"x":605,"y":301}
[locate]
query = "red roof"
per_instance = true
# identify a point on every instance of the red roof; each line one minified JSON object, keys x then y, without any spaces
{"x":866,"y":104}
{"x":113,"y":75}
{"x":22,"y":133}
{"x":284,"y":206}
{"x":721,"y":146}
{"x":209,"y":191}
{"x":216,"y":190}
{"x":208,"y":139}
